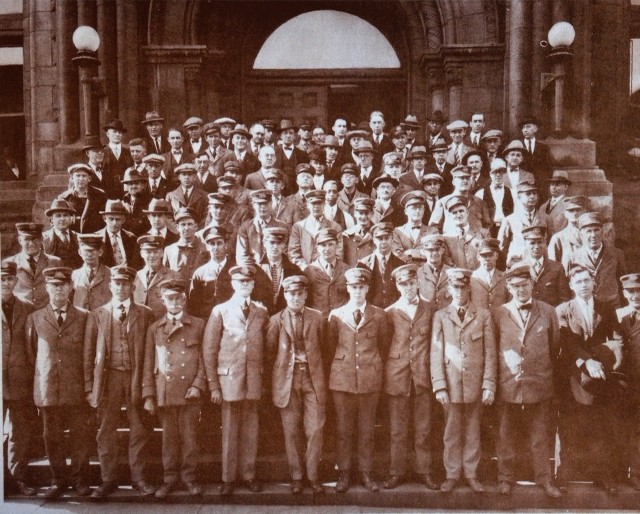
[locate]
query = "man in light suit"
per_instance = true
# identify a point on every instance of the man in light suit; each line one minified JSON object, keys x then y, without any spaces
{"x":294,"y":341}
{"x":407,"y":380}
{"x":218,"y":154}
{"x":91,"y":281}
{"x":30,"y":262}
{"x":564,"y":243}
{"x":114,"y":345}
{"x":464,"y":377}
{"x":233,"y":354}
{"x":528,"y":338}
{"x":410,"y":235}
{"x":488,"y":285}
{"x":358,"y":333}
{"x":463,"y":241}
{"x":189,"y":252}
{"x":187,"y":195}
{"x":457,"y":149}
{"x":432,"y":275}
{"x":302,"y":246}
{"x":554,"y":206}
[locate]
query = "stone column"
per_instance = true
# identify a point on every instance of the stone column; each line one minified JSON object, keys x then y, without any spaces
{"x":519,"y":83}
{"x":436,"y":88}
{"x":541,"y":26}
{"x":107,"y":53}
{"x":87,"y":12}
{"x":127,"y":51}
{"x":68,"y":112}
{"x":192,"y":86}
{"x":454,"y":77}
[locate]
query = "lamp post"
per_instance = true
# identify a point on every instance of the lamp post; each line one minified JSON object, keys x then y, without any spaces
{"x":86,"y":40}
{"x":560,"y":38}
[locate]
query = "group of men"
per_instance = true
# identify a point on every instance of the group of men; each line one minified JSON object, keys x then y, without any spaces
{"x":326,"y":271}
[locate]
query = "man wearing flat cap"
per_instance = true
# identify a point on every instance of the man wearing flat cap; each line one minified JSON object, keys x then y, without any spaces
{"x":60,"y":240}
{"x":488,"y":285}
{"x":457,"y":149}
{"x":528,"y":338}
{"x":90,"y":282}
{"x":85,"y":199}
{"x":357,"y":240}
{"x":114,"y":346}
{"x":349,"y":194}
{"x":154,"y":138}
{"x":158,"y":184}
{"x":498,"y":198}
{"x":410,"y":235}
{"x":294,"y":340}
{"x":604,"y":260}
{"x":119,"y":245}
{"x":174,"y":384}
{"x":226,"y":125}
{"x":55,"y":338}
{"x":358,"y":344}
{"x":554,"y":206}
{"x":432,"y":185}
{"x":117,"y":157}
{"x":136,"y":200}
{"x":491,"y":145}
{"x":287,"y":155}
{"x":17,"y":385}
{"x":30,"y":262}
{"x":189,"y":252}
{"x":193,"y":127}
{"x":233,"y":354}
{"x":407,"y":380}
{"x":188,"y":194}
{"x":568,"y":240}
{"x":464,"y":377}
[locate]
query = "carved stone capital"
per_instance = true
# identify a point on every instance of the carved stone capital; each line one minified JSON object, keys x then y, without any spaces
{"x":453,"y":75}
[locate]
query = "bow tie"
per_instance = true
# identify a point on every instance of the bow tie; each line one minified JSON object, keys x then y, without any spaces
{"x":525,"y":306}
{"x":176,"y":152}
{"x":414,"y":301}
{"x":189,"y":245}
{"x":289,"y":148}
{"x":498,"y":187}
{"x":193,"y":141}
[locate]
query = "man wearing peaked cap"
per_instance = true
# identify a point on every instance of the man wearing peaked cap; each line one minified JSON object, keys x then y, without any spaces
{"x":85,"y":198}
{"x":136,"y":200}
{"x":249,"y":162}
{"x":488,"y":285}
{"x":409,"y":236}
{"x":348,"y":193}
{"x":358,"y":338}
{"x":159,"y":213}
{"x":188,"y":194}
{"x":462,"y":239}
{"x":119,"y":244}
{"x":114,"y":347}
{"x":432,"y":274}
{"x":218,"y":153}
{"x":233,"y":341}
{"x":357,"y":240}
{"x":189,"y":252}
{"x":154,"y":138}
{"x":284,"y":208}
{"x":91,"y":281}
{"x":60,"y":240}
{"x":55,"y":341}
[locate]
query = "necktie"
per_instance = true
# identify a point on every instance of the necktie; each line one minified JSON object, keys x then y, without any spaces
{"x":187,"y":195}
{"x":298,"y":331}
{"x":330,"y":270}
{"x":92,"y":274}
{"x":117,"y":254}
{"x":462,"y":234}
{"x":116,"y":152}
{"x":150,"y":275}
{"x":528,"y":145}
{"x":33,"y":265}
{"x":60,"y":318}
{"x":65,"y":238}
{"x":632,"y":318}
{"x":157,"y":142}
{"x":461,"y":313}
{"x":537,"y":267}
{"x":275,"y":285}
{"x":357,"y":316}
{"x":154,"y":186}
{"x":245,"y":310}
{"x":383,"y":266}
{"x":123,"y":313}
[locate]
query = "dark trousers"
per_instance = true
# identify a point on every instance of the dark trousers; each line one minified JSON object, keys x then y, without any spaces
{"x":239,"y":439}
{"x":462,"y":439}
{"x":77,"y":419}
{"x":356,"y":409}
{"x":118,"y":393}
{"x":401,"y":409}
{"x":533,"y":420}
{"x":180,"y":449}
{"x":303,"y":410}
{"x":23,"y":420}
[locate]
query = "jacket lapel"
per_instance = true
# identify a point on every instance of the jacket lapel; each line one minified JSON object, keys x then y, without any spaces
{"x":469,"y":316}
{"x":51,"y":317}
{"x":287,"y":323}
{"x":69,"y":318}
{"x":453,"y":315}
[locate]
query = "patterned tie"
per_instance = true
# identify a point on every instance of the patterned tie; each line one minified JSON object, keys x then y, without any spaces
{"x":461,"y":313}
{"x":60,"y":318}
{"x":275,"y":285}
{"x":33,"y":264}
{"x":117,"y":254}
{"x":150,"y":276}
{"x":357,"y":316}
{"x":92,"y":275}
{"x":245,"y":310}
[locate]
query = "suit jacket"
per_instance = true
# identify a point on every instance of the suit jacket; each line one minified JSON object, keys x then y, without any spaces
{"x":17,"y":370}
{"x":402,"y":239}
{"x":88,"y":217}
{"x":356,"y":247}
{"x":198,"y":201}
{"x":91,"y":295}
{"x":452,"y":158}
{"x":382,"y":287}
{"x":234,"y":350}
{"x":434,"y":288}
{"x":463,"y":354}
{"x":280,"y":346}
{"x":347,"y":205}
{"x":109,"y":183}
{"x":441,"y":218}
{"x":161,"y":190}
{"x":557,"y":219}
{"x":210,"y":184}
{"x":288,"y":166}
{"x":248,"y":164}
{"x":326,"y":293}
{"x":255,"y":180}
{"x":195,"y":255}
{"x":150,"y":294}
{"x":408,"y":360}
{"x":333,"y":172}
{"x":525,"y":176}
{"x":564,"y":244}
{"x":130,"y":243}
{"x":97,"y":350}
{"x":67,"y":253}
{"x":393,"y":214}
{"x":171,"y":237}
{"x":263,"y":290}
{"x":208,"y":290}
{"x":171,"y":353}
{"x":526,"y":352}
{"x":464,"y":253}
{"x":249,"y":243}
{"x":151,"y":145}
{"x":298,"y":207}
{"x":287,"y":211}
{"x":56,"y":353}
{"x":550,"y":285}
{"x":31,"y":286}
{"x":170,"y":163}
{"x":410,"y":180}
{"x":137,"y":222}
{"x":359,"y":351}
{"x":302,"y":245}
{"x":366,"y":186}
{"x":117,"y":166}
{"x":217,"y":161}
{"x":539,"y":162}
{"x":489,"y":296}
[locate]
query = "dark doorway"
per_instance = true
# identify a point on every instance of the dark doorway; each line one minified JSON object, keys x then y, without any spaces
{"x":357,"y":101}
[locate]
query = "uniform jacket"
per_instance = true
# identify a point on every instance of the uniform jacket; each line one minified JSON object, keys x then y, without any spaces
{"x":68,"y":253}
{"x":91,"y":295}
{"x":382,"y":287}
{"x":56,"y":353}
{"x":234,"y":350}
{"x":249,"y":243}
{"x":510,"y":234}
{"x":326,"y":293}
{"x":173,"y":360}
{"x":630,"y":331}
{"x":302,"y":246}
{"x":402,"y":239}
{"x":222,"y":156}
{"x":196,"y":255}
{"x":206,"y":291}
{"x":31,"y":286}
{"x":526,"y":353}
{"x":17,"y":369}
{"x":262,"y":292}
{"x":281,"y":354}
{"x":550,"y":285}
{"x":463,"y":354}
{"x":441,"y":218}
{"x":557,"y":219}
{"x":88,"y":217}
{"x":357,"y":365}
{"x":434,"y":288}
{"x":563,"y":244}
{"x":489,"y":296}
{"x":464,"y":253}
{"x":408,"y":359}
{"x":355,"y":246}
{"x":198,"y":201}
{"x":97,"y":349}
{"x":150,"y":294}
{"x":297,"y":206}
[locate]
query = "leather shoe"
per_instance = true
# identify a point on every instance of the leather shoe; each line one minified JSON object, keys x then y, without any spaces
{"x":343,"y":482}
{"x":504,"y":488}
{"x":22,"y":488}
{"x":368,"y":482}
{"x":296,"y":486}
{"x":226,"y":489}
{"x":635,"y":482}
{"x":193,"y":488}
{"x":254,"y":486}
{"x":82,"y":489}
{"x":428,"y":482}
{"x":475,"y":485}
{"x":317,"y":488}
{"x":164,"y":490}
{"x":448,"y":485}
{"x":55,"y":491}
{"x":392,"y":482}
{"x":144,"y":487}
{"x":551,"y":490}
{"x":104,"y":490}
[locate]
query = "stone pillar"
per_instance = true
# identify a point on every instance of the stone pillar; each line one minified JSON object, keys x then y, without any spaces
{"x":107,"y":53}
{"x":127,"y":51}
{"x":519,"y":84}
{"x":68,"y":112}
{"x":541,"y":26}
{"x":436,"y":88}
{"x":192,"y":86}
{"x":87,"y":12}
{"x":453,"y":76}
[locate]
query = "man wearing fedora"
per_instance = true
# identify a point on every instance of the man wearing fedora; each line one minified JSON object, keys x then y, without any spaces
{"x":114,"y":346}
{"x":331,"y":147}
{"x":226,"y":125}
{"x":514,"y":155}
{"x":538,"y":159}
{"x":60,"y":240}
{"x":193,"y":127}
{"x":136,"y":200}
{"x":101,"y":176}
{"x":187,"y":194}
{"x":593,"y":344}
{"x":491,"y":145}
{"x":249,"y":162}
{"x":369,"y":171}
{"x":411,"y":127}
{"x":287,"y":155}
{"x":440,"y":165}
{"x":435,"y":125}
{"x":91,"y":281}
{"x":153,"y":124}
{"x":119,"y":245}
{"x":568,"y":240}
{"x":117,"y":157}
{"x":86,"y":199}
{"x":457,"y":149}
{"x":417,"y":163}
{"x":355,"y":138}
{"x":159,"y":214}
{"x":554,"y":206}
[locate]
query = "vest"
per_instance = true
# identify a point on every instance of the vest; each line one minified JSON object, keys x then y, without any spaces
{"x":120,"y":357}
{"x":507,"y":201}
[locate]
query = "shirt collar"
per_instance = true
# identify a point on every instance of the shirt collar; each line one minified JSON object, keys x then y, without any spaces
{"x":175,"y":317}
{"x":240,"y":300}
{"x":62,"y":309}
{"x":116,"y":304}
{"x":352,"y":306}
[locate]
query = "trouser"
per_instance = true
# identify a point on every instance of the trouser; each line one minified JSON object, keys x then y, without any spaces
{"x":23,"y":420}
{"x":303,"y":409}
{"x":352,"y":409}
{"x":180,"y":450}
{"x":531,"y":419}
{"x":118,"y":393}
{"x":462,"y":439}
{"x":400,"y":410}
{"x":239,"y":439}
{"x":77,"y":419}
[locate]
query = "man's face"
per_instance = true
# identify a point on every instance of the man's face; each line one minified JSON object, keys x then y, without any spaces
{"x":154,"y":128}
{"x":187,"y":180}
{"x":90,"y":255}
{"x":257,"y":134}
{"x":96,"y":156}
{"x":592,"y":235}
{"x":225,"y":130}
{"x":440,"y":157}
{"x":434,"y":256}
{"x":434,"y":127}
{"x":135,"y":188}
{"x":304,"y":180}
{"x":137,"y":153}
{"x":408,"y":289}
{"x":114,"y":222}
{"x":558,"y":189}
{"x":175,"y":140}
{"x":80,"y":180}
{"x":419,"y":162}
{"x":488,"y":260}
{"x":356,"y":141}
{"x":385,"y":191}
{"x":318,"y":135}
{"x":121,"y":289}
{"x":304,"y":133}
{"x":521,"y":289}
{"x":30,"y":245}
{"x":366,"y":158}
{"x":240,"y":142}
{"x":316,"y":209}
{"x":213,"y":139}
{"x":582,"y":284}
{"x":382,"y":243}
{"x":459,"y":294}
{"x":243,"y":286}
{"x":187,"y":228}
{"x":217,"y":248}
{"x":174,"y":301}
{"x":201,"y":163}
{"x":235,"y":174}
{"x":529,"y":130}
{"x":268,"y":135}
{"x":157,"y":221}
{"x":231,"y":190}
{"x":457,"y":135}
{"x":411,"y":133}
{"x":296,"y":299}
{"x":362,"y":217}
{"x":377,"y":124}
{"x":154,"y":169}
{"x":535,"y":246}
{"x":317,"y":166}
{"x":477,"y":123}
{"x":340,"y":128}
{"x":194,"y":131}
{"x":114,"y":136}
{"x":414,"y":211}
{"x":267,"y":157}
{"x":431,"y":187}
{"x":460,"y":216}
{"x":514,"y":158}
{"x":492,"y":144}
{"x":218,"y":212}
{"x":332,"y":193}
{"x":262,"y":209}
{"x":61,"y":220}
{"x":497,"y":177}
{"x":348,"y":180}
{"x":529,"y":199}
{"x":399,"y":141}
{"x":393,"y":170}
{"x":331,"y":152}
{"x":573,"y":214}
{"x":274,"y":249}
{"x":475,"y":163}
{"x":357,"y":293}
{"x":631,"y":294}
{"x":328,"y":250}
{"x":288,"y":136}
{"x":8,"y":284}
{"x":58,"y":292}
{"x":152,"y":257}
{"x":462,"y":184}
{"x":275,"y":185}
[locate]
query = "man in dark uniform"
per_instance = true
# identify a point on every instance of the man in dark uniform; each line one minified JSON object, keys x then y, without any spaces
{"x":91,"y":280}
{"x":86,"y":200}
{"x":136,"y":200}
{"x":60,"y":240}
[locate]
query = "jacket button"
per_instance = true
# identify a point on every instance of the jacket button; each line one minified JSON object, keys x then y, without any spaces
{"x":181,"y":378}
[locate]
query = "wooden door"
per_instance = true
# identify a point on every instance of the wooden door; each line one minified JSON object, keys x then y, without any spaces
{"x":297,"y":103}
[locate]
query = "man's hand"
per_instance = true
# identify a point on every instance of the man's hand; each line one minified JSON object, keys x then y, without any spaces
{"x":487,"y":397}
{"x":216,"y":397}
{"x":442,"y":397}
{"x":150,"y":405}
{"x":193,"y":393}
{"x":595,"y":369}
